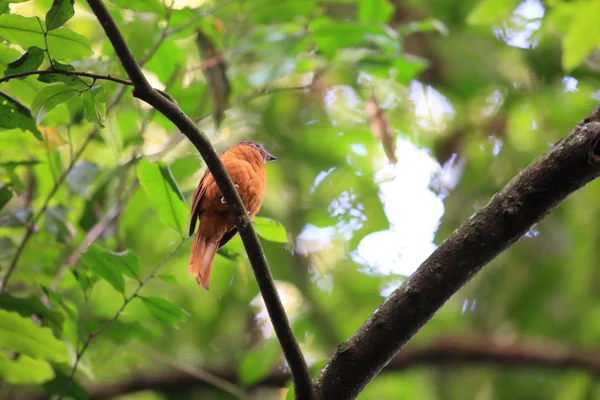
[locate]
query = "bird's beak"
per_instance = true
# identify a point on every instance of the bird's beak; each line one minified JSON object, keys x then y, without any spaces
{"x":271,"y":157}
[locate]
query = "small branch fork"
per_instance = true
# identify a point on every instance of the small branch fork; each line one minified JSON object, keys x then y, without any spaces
{"x":143,"y":91}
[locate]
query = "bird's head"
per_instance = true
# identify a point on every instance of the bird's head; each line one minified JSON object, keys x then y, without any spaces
{"x":260,"y":148}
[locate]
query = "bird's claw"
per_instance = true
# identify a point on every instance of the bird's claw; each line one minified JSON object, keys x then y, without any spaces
{"x":223,"y":201}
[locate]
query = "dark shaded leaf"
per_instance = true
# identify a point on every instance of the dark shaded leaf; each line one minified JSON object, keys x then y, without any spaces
{"x":60,"y":12}
{"x":15,"y":219}
{"x":215,"y":72}
{"x":94,"y":103}
{"x":13,"y":164}
{"x":28,"y":306}
{"x":230,"y":254}
{"x":63,"y":384}
{"x":69,"y":80}
{"x":29,"y":61}
{"x":15,"y":115}
{"x":5,"y":195}
{"x":55,"y":221}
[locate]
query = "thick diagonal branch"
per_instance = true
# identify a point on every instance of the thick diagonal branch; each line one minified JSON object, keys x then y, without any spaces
{"x":567,"y":166}
{"x":144,"y":91}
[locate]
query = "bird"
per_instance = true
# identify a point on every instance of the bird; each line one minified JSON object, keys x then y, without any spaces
{"x":245,"y":162}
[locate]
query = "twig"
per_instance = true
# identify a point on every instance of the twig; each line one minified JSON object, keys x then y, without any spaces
{"x":68,"y":73}
{"x":195,"y":372}
{"x":145,"y":92}
{"x":568,"y":165}
{"x":108,"y":323}
{"x":79,"y":73}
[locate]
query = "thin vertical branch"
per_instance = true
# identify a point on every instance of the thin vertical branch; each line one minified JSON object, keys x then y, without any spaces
{"x":145,"y":92}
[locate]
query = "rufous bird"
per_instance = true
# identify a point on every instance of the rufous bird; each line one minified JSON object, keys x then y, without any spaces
{"x":245,"y":163}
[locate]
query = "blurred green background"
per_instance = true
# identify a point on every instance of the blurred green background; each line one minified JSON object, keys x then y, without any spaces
{"x":393,"y":122}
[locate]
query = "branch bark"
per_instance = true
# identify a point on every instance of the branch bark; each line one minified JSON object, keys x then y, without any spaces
{"x":568,"y":165}
{"x":145,"y":92}
{"x":463,"y":350}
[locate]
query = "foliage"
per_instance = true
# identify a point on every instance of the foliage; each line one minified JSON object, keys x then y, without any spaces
{"x":95,"y":185}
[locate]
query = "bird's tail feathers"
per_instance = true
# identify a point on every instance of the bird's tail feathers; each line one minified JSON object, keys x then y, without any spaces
{"x":201,"y":260}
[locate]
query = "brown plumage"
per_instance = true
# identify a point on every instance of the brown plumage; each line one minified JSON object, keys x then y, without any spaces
{"x":245,"y":163}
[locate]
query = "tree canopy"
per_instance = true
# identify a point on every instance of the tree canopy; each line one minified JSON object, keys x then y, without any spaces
{"x":394,"y":122}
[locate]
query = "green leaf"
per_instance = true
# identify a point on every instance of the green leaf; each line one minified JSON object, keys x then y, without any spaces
{"x":151,"y":6}
{"x":24,"y":370}
{"x":5,"y":195}
{"x":257,"y":363}
{"x":49,"y":98}
{"x":270,"y":230}
{"x":94,"y":103}
{"x":15,"y":115}
{"x":69,"y":80}
{"x":331,"y":36}
{"x":29,"y":61}
{"x":490,"y":11}
{"x":28,"y":306}
{"x":129,"y":263}
{"x":163,"y":194}
{"x":109,"y":266}
{"x":164,"y":310}
{"x":63,"y":43}
{"x":583,"y":35}
{"x":375,"y":11}
{"x":21,"y":335}
{"x":60,"y":12}
{"x":169,"y":278}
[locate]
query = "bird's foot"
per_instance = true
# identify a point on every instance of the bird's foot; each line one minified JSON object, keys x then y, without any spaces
{"x":223,"y":201}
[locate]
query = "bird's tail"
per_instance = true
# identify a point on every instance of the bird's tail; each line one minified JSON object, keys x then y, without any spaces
{"x":201,"y":260}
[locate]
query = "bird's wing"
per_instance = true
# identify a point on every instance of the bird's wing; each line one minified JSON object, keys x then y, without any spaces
{"x":196,"y":200}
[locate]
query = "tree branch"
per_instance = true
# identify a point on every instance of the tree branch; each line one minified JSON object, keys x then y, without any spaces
{"x":68,"y":73}
{"x":463,"y":350}
{"x":568,"y":165}
{"x":145,"y":92}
